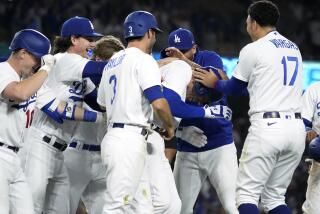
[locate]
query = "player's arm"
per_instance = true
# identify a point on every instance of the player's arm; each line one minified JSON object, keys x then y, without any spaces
{"x":183,"y":110}
{"x":309,"y":102}
{"x":161,"y":109}
{"x":94,"y":70}
{"x":21,"y":91}
{"x":175,"y":52}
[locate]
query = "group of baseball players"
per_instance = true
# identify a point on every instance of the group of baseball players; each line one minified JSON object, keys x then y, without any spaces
{"x":95,"y":121}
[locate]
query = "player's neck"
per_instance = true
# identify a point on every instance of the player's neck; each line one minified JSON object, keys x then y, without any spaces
{"x":13,"y":62}
{"x":140,"y":45}
{"x":264,"y":31}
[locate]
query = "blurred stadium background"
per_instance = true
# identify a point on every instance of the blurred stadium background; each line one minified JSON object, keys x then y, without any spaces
{"x":217,"y":25}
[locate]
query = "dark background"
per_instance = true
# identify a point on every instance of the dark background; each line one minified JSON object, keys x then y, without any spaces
{"x":217,"y":25}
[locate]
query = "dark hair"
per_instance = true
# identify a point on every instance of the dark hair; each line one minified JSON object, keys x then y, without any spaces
{"x":61,"y":44}
{"x":264,"y":12}
{"x":107,"y":46}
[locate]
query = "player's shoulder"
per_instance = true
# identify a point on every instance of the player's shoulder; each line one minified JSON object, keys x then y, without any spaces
{"x":69,"y":58}
{"x":178,"y":66}
{"x":7,"y":70}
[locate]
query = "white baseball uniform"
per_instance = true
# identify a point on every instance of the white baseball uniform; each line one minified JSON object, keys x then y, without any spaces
{"x":311,"y":112}
{"x":15,"y":195}
{"x":45,"y":169}
{"x":165,"y":199}
{"x":86,"y":172}
{"x":125,"y":77}
{"x":272,"y":66}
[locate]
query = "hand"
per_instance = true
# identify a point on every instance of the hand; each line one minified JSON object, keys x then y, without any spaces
{"x":217,"y":111}
{"x":167,"y":134}
{"x":311,"y":135}
{"x":207,"y":78}
{"x":192,"y":135}
{"x":174,"y":52}
{"x":47,"y":62}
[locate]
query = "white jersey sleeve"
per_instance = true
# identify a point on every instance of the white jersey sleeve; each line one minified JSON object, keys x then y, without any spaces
{"x":6,"y":77}
{"x":247,"y":59}
{"x":101,"y":99}
{"x":311,"y":106}
{"x":176,"y":76}
{"x":148,"y":74}
{"x":69,"y":67}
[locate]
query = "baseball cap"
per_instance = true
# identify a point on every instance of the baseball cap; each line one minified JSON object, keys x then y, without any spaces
{"x":78,"y":26}
{"x":181,"y":38}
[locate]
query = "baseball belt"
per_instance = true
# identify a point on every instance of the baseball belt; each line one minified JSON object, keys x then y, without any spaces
{"x":60,"y":146}
{"x":13,"y":148}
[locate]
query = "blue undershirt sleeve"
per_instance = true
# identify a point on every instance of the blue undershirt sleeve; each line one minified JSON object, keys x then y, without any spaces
{"x":91,"y":100}
{"x":232,"y":87}
{"x":181,"y":109}
{"x":307,"y":124}
{"x":153,"y":93}
{"x":94,"y":71}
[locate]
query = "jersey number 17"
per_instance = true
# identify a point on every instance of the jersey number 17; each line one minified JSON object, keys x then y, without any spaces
{"x":289,"y":59}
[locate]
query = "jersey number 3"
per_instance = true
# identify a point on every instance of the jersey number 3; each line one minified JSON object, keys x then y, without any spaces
{"x":113,"y":80}
{"x":284,"y":62}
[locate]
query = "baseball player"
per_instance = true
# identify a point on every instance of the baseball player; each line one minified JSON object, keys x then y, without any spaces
{"x":310,"y":114}
{"x":82,"y":158}
{"x":216,"y":157}
{"x":271,"y":68}
{"x":175,"y":76}
{"x":130,"y":83}
{"x":46,"y":139}
{"x":28,"y":47}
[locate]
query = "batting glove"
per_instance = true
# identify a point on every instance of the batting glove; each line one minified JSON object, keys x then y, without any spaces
{"x":192,"y":135}
{"x":217,"y":111}
{"x":47,"y":62}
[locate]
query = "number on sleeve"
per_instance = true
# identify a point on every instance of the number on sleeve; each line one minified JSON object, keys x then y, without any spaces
{"x":284,"y":62}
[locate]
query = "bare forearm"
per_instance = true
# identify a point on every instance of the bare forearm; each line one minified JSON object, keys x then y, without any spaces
{"x":164,"y":114}
{"x":21,"y":91}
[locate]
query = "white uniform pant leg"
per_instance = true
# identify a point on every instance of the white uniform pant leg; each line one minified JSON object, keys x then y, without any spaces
{"x":312,"y":203}
{"x":165,"y":198}
{"x":78,"y":164}
{"x":260,"y":155}
{"x":39,"y":168}
{"x":58,"y":190}
{"x":123,"y":154}
{"x":142,"y":202}
{"x":189,"y":178}
{"x":15,"y":195}
{"x":222,"y":166}
{"x":93,"y":195}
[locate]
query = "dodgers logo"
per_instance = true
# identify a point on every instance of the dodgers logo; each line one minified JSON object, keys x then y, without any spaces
{"x":176,"y":39}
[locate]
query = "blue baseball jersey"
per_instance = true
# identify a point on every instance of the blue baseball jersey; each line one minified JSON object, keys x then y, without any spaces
{"x":218,"y":131}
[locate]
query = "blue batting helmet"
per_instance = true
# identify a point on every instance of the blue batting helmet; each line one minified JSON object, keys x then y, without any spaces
{"x":314,"y":149}
{"x":138,"y":23}
{"x":31,"y":40}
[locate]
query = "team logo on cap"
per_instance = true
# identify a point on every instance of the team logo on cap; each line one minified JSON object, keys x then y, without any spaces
{"x":176,"y":39}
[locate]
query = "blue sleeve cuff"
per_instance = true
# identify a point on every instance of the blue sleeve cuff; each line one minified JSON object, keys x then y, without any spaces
{"x":181,"y":109}
{"x":52,"y":114}
{"x":94,"y":71}
{"x":89,"y":116}
{"x":153,"y":93}
{"x":307,"y":124}
{"x":232,"y":87}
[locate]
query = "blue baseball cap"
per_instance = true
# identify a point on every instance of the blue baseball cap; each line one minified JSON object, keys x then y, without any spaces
{"x":181,"y":38}
{"x":78,"y":26}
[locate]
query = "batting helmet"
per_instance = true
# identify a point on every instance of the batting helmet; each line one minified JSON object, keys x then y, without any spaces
{"x":138,"y":23}
{"x":31,"y":40}
{"x":314,"y":149}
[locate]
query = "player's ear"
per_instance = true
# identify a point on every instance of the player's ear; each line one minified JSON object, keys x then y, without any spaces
{"x":74,"y":39}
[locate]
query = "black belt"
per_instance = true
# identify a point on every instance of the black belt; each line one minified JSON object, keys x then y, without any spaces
{"x":143,"y":132}
{"x":56,"y":144}
{"x":13,"y":148}
{"x":88,"y":147}
{"x":276,"y":114}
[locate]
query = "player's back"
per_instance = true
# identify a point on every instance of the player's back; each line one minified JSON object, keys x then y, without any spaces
{"x":125,"y":77}
{"x":275,"y":79}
